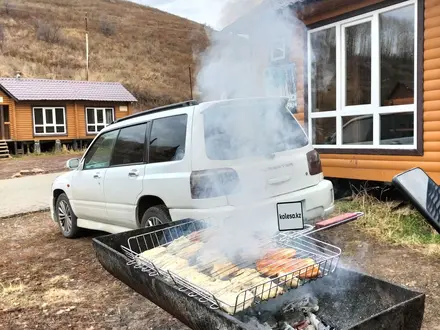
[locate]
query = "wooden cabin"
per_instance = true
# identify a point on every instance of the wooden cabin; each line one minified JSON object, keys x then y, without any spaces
{"x":367,"y":82}
{"x":46,"y":111}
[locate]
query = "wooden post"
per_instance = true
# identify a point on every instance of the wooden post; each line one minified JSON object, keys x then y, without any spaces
{"x":87,"y":48}
{"x":190,"y":82}
{"x":2,"y":124}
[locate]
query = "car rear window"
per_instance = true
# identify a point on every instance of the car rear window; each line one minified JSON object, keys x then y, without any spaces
{"x":254,"y":128}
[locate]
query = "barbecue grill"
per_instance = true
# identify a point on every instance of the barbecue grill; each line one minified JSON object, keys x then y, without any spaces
{"x":337,"y":290}
{"x":256,"y":288}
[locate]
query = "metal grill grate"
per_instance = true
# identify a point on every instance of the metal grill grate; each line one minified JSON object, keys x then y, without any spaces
{"x":238,"y":284}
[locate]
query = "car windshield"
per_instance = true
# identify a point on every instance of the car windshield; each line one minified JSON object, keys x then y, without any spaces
{"x":240,"y":129}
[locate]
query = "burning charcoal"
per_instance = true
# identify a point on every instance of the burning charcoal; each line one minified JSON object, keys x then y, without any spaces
{"x":301,"y":325}
{"x":255,"y":324}
{"x":306,"y":304}
{"x":318,"y":325}
{"x":287,"y":327}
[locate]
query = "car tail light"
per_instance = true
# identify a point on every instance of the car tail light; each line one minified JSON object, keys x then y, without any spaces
{"x":314,"y":161}
{"x":213,"y":183}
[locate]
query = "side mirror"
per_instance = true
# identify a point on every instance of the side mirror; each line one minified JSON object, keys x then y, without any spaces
{"x":423,"y":193}
{"x":72,"y":164}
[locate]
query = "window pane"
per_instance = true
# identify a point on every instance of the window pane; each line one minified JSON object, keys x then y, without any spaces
{"x":49,"y":114}
{"x":59,"y":116}
{"x":357,"y":129}
{"x":101,"y":151}
{"x":324,"y":130}
{"x":130,"y":145}
{"x":241,"y":129}
{"x":100,"y":116}
{"x":91,"y":129}
{"x":38,"y":116}
{"x":99,"y":128}
{"x":90,"y":116}
{"x":397,"y":128}
{"x":109,"y":116}
{"x":167,"y":141}
{"x":50,"y":129}
{"x":397,"y":56}
{"x":39,"y":130}
{"x":358,"y":64}
{"x":60,"y":129}
{"x":6,"y":114}
{"x":323,"y":55}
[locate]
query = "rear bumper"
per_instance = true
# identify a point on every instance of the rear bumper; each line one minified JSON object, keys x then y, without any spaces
{"x":318,"y":202}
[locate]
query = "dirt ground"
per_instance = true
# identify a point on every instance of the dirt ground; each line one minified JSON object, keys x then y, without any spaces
{"x":48,"y":163}
{"x":48,"y":282}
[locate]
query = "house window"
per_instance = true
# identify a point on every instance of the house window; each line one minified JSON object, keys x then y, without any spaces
{"x":49,"y":120}
{"x":98,"y":118}
{"x":278,"y":51}
{"x":362,"y":78}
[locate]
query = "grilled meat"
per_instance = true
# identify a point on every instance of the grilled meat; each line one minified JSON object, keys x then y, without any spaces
{"x":312,"y":270}
{"x":188,"y":251}
{"x":222,"y":270}
{"x":228,"y":301}
{"x":283,"y":253}
{"x":153,"y":252}
{"x":178,"y":244}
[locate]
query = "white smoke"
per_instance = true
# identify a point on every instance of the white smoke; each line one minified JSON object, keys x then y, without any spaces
{"x":236,"y":62}
{"x":234,"y":66}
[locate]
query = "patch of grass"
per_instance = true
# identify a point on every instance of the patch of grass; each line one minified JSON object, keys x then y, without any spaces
{"x":386,"y":222}
{"x":7,"y":289}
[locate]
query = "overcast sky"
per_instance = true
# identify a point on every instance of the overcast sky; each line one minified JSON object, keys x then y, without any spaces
{"x":216,"y":13}
{"x":202,"y":11}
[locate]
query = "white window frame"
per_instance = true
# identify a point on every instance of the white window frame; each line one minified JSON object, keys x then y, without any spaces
{"x":96,"y":124}
{"x":54,"y":124}
{"x":279,"y":41}
{"x":374,"y":109}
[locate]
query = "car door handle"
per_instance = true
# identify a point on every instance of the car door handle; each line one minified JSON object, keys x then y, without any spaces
{"x":133,"y":173}
{"x":97,"y":176}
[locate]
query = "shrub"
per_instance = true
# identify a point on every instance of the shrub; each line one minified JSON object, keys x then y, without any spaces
{"x":48,"y":32}
{"x":107,"y":28}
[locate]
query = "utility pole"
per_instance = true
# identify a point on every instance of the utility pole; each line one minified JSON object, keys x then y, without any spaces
{"x":190,"y":81}
{"x":87,"y":47}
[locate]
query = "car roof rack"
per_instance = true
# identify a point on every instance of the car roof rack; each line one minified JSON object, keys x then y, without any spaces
{"x":158,"y":109}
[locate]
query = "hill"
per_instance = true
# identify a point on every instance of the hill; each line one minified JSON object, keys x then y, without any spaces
{"x":148,"y":50}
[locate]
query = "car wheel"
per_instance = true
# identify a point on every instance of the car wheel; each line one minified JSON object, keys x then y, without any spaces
{"x":65,"y":217}
{"x":155,"y":215}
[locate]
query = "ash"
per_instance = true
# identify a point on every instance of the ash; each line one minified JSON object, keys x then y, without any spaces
{"x":294,"y":315}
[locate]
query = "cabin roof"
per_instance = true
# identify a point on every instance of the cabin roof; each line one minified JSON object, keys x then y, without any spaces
{"x":22,"y":89}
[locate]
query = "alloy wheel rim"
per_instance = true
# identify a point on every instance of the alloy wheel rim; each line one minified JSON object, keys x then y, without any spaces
{"x":153,"y":221}
{"x":65,"y":216}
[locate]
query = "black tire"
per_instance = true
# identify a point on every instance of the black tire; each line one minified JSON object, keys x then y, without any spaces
{"x":155,"y":215}
{"x":65,"y":217}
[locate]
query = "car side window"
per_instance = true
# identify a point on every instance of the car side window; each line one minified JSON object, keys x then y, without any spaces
{"x":130,"y":146}
{"x":100,"y":153}
{"x":168,"y":138}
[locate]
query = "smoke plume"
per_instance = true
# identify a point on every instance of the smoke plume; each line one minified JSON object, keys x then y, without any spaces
{"x":238,"y":65}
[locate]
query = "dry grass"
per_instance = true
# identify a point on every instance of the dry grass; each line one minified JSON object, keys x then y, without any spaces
{"x":149,"y":51}
{"x":388,"y":223}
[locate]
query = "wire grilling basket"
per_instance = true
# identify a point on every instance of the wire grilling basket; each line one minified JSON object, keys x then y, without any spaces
{"x":231,"y":285}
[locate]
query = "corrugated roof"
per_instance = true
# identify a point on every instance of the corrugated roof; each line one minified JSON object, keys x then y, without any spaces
{"x":63,"y":90}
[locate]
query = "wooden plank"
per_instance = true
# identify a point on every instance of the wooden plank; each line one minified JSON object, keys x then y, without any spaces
{"x":381,"y":165}
{"x":431,"y":75}
{"x":366,"y":174}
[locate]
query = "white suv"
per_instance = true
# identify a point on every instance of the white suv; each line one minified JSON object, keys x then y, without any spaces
{"x":197,"y":161}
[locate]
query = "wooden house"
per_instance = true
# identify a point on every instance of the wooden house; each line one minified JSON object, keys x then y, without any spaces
{"x":367,"y":82}
{"x":66,"y":111}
